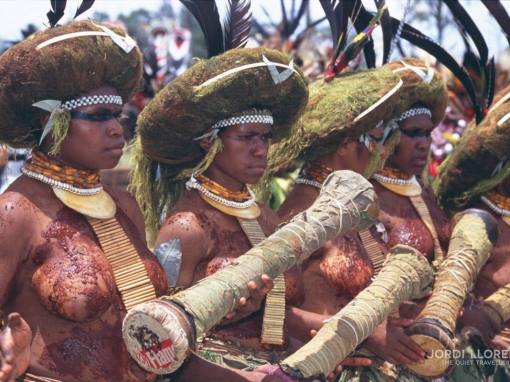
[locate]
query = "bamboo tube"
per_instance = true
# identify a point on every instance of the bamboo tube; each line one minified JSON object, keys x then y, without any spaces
{"x":497,"y":305}
{"x":405,"y":275}
{"x":347,"y":202}
{"x":470,"y":245}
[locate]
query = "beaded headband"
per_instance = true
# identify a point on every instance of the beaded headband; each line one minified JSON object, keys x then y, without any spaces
{"x":252,"y":116}
{"x":56,"y":107}
{"x":92,"y":100}
{"x":414,"y":112}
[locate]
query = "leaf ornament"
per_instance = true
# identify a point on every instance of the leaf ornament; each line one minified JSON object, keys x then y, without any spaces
{"x":275,"y":75}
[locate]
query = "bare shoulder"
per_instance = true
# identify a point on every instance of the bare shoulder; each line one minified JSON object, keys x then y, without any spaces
{"x":183,"y":225}
{"x":16,"y":209}
{"x":18,"y":217}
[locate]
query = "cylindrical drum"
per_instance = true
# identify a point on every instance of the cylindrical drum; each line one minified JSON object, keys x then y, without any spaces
{"x":405,"y":275}
{"x":347,"y":203}
{"x":159,"y":335}
{"x":434,"y":330}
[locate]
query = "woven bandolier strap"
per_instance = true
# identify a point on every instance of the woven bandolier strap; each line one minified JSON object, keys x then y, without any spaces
{"x":423,"y":211}
{"x":129,"y":271}
{"x":375,"y":254}
{"x":274,"y":310}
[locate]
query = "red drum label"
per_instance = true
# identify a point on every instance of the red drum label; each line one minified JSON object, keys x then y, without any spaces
{"x":154,"y":338}
{"x":159,"y":356}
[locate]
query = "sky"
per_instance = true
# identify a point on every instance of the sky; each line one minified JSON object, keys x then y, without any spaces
{"x":16,"y":14}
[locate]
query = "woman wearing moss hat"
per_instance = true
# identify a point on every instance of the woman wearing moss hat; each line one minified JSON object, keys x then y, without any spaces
{"x":477,"y":175}
{"x":201,"y":141}
{"x":409,"y":214}
{"x":408,"y":210}
{"x":327,"y":141}
{"x":66,"y":242}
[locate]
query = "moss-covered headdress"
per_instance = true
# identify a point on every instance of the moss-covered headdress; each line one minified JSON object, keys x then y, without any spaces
{"x":167,"y":149}
{"x":421,"y":84}
{"x":480,"y":161}
{"x":61,"y":63}
{"x":343,"y":104}
{"x":257,"y":84}
{"x":347,"y":106}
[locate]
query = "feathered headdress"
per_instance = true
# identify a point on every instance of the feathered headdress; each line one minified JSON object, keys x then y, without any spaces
{"x":344,"y":104}
{"x":480,"y":160}
{"x":481,"y":96}
{"x":221,"y":35}
{"x":338,"y":15}
{"x":56,"y":65}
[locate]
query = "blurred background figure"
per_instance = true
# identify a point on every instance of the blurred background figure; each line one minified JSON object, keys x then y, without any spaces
{"x":168,"y":54}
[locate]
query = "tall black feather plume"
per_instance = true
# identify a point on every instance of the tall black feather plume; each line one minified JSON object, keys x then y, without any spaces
{"x":327,"y":6}
{"x":470,"y":27}
{"x":424,"y":42}
{"x":84,"y":6}
{"x":56,"y":12}
{"x":285,"y":22}
{"x":343,"y":11}
{"x":387,"y":30}
{"x":485,"y":67}
{"x":206,"y":13}
{"x":338,"y":14}
{"x":490,"y":70}
{"x":361,"y":22}
{"x":478,"y":71}
{"x":499,"y":13}
{"x":237,"y":24}
{"x":464,"y":36}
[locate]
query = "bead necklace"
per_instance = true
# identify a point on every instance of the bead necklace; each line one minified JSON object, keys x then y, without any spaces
{"x":394,"y":176}
{"x":54,"y":173}
{"x":220,"y":194}
{"x":497,"y":203}
{"x":314,"y":175}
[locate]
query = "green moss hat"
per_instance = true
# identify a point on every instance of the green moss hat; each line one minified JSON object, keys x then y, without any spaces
{"x":349,"y":105}
{"x":166,"y":147}
{"x":481,"y":159}
{"x":216,"y":89}
{"x":422,"y":84}
{"x":45,"y":67}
